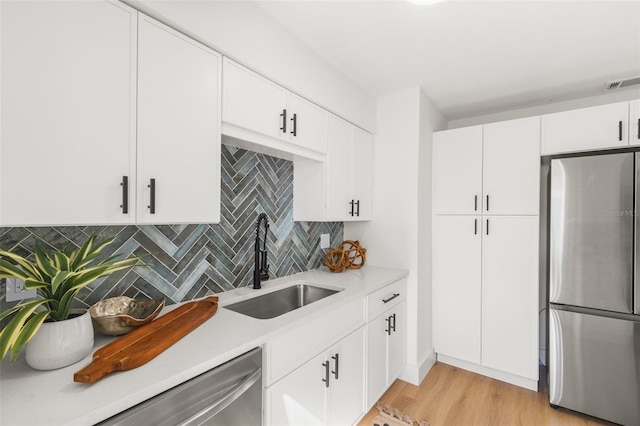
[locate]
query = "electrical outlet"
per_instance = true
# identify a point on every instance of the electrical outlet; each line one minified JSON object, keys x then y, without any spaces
{"x":324,"y":241}
{"x":16,"y":291}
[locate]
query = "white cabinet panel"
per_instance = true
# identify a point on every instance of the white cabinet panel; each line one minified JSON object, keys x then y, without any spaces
{"x":362,"y":174}
{"x":339,"y":194}
{"x":396,"y":344}
{"x":346,"y":388}
{"x":299,"y":398}
{"x":341,"y":188}
{"x":329,"y":389}
{"x":511,"y":167}
{"x":599,"y":127}
{"x":457,"y":165}
{"x":252,"y":102}
{"x":634,"y":122}
{"x":457,"y":243}
{"x":510,"y":295}
{"x":178,"y":127}
{"x":68,"y":112}
{"x":308,"y":124}
{"x":377,"y":358}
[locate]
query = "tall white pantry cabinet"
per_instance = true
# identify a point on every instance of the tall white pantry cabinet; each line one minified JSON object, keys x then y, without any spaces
{"x":485,"y":248}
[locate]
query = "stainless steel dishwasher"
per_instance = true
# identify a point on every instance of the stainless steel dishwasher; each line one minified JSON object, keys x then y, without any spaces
{"x":228,"y":395}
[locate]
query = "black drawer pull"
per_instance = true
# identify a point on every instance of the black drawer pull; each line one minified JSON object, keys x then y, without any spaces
{"x":620,"y":130}
{"x":125,"y":194}
{"x":326,"y":374}
{"x":152,"y":196}
{"x":336,"y":358}
{"x":391,"y":298}
{"x":284,"y":121}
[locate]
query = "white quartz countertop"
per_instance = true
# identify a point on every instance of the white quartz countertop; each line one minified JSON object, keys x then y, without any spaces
{"x":30,"y":397}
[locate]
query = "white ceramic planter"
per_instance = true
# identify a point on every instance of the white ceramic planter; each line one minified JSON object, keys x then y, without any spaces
{"x":60,"y":343}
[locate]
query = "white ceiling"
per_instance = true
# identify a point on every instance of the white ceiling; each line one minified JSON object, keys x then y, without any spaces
{"x":473,"y":57}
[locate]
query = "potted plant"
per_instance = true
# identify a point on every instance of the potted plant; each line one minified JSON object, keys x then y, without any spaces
{"x":57,"y":277}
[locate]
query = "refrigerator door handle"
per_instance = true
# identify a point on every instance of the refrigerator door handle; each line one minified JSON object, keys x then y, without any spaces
{"x":636,"y":240}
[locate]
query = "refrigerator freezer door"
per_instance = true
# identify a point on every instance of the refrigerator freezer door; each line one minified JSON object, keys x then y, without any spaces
{"x":591,"y":232}
{"x":594,"y":365}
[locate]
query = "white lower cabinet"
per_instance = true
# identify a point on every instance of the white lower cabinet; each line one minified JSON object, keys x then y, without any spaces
{"x":327,"y":390}
{"x":485,"y":286}
{"x":385,"y":351}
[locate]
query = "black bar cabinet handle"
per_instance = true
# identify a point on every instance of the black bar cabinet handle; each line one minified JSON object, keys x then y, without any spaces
{"x":336,"y":358}
{"x":487,"y":226}
{"x":475,"y":226}
{"x":352,"y":204}
{"x":620,"y":130}
{"x":391,"y":298}
{"x":152,"y":196}
{"x":284,"y":121}
{"x":393,"y":326}
{"x":475,"y":203}
{"x":358,"y":208}
{"x":388,"y":329}
{"x":125,"y":194}
{"x":487,"y":203}
{"x":326,"y":374}
{"x":638,"y":128}
{"x":294,"y":132}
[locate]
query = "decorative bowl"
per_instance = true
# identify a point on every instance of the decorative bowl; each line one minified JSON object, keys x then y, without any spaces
{"x":120,"y":315}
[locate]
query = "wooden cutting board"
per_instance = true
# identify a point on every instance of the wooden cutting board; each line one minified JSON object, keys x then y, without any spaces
{"x":146,"y":342}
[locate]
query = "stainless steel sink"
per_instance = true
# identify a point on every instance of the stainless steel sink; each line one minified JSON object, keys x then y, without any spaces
{"x":280,"y":302}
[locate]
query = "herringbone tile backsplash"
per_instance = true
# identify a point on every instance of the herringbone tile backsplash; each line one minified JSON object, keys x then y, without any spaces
{"x":185,"y":262}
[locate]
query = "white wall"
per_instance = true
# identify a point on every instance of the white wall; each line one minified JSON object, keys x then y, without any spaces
{"x":615,"y":96}
{"x":399,"y":234}
{"x":247,"y":34}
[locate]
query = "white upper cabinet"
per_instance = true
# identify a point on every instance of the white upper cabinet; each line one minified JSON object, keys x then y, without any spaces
{"x":457,"y":164}
{"x":341,"y":187}
{"x":178,"y":127}
{"x":634,"y":122}
{"x":276,"y":121}
{"x":253,"y":102}
{"x":308,"y":124}
{"x":600,"y":127}
{"x":511,"y":167}
{"x":490,"y":169}
{"x":68,"y":113}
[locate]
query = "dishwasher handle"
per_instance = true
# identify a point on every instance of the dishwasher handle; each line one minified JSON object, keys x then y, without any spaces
{"x":234,"y":393}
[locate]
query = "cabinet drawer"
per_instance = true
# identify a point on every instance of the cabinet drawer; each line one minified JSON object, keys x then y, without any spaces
{"x":287,"y":352}
{"x":385,"y":298}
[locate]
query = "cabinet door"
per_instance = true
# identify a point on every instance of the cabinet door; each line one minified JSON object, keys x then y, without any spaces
{"x":299,"y":398}
{"x":68,"y":112}
{"x":511,"y":167}
{"x":339,"y":193}
{"x":634,"y":122}
{"x":510,"y":295}
{"x":309,"y":127}
{"x":252,"y":102}
{"x":346,"y":391}
{"x":457,"y":164}
{"x":396,"y":344}
{"x":586,"y":129}
{"x":457,"y":244}
{"x":178,"y":127}
{"x":376,"y":358}
{"x":362,"y":174}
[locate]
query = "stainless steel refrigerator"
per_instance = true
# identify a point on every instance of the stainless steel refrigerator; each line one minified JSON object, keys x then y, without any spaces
{"x":594,"y":290}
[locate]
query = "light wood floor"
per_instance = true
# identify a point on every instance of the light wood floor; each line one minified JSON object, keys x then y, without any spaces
{"x":454,"y":397}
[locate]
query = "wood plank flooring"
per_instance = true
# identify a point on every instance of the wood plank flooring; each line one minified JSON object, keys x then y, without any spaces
{"x":450,"y":396}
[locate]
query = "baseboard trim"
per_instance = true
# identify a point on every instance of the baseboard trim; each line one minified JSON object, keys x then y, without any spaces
{"x":513,"y":379}
{"x":415,"y":374}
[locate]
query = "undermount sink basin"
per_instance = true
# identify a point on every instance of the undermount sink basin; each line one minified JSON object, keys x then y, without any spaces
{"x":280,"y":302}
